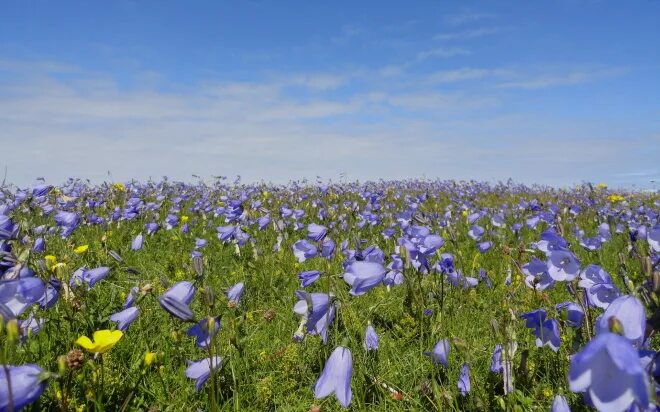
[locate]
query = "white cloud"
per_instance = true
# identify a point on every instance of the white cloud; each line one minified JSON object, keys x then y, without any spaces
{"x":568,"y":78}
{"x":467,"y":17}
{"x":442,"y":52}
{"x":468,"y":34}
{"x":89,"y":125}
{"x":466,"y":73}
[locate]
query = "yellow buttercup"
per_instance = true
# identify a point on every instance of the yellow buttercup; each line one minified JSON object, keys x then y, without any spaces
{"x":104,"y":340}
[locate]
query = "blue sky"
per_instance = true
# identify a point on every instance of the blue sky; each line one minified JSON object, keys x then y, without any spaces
{"x":547,"y":92}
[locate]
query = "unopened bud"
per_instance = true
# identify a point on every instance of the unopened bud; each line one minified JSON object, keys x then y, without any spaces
{"x":61,"y":364}
{"x":12,"y":330}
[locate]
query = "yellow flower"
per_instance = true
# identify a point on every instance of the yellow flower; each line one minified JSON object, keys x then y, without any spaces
{"x":81,"y":249}
{"x":104,"y":340}
{"x":602,"y":185}
{"x":51,"y":261}
{"x":184,"y":219}
{"x":615,"y":198}
{"x":119,"y":187}
{"x":149,"y":358}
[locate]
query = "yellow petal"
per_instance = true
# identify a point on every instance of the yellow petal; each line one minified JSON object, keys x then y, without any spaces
{"x":86,"y":343}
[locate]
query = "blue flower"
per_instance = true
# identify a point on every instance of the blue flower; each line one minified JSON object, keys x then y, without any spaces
{"x":370,"y":338}
{"x":304,"y":250}
{"x":27,"y":385}
{"x":234,"y":293}
{"x":336,"y":377}
{"x":608,"y":369}
{"x":629,"y":313}
{"x":464,"y":380}
{"x":308,"y":277}
{"x":19,"y":294}
{"x":316,"y":232}
{"x":204,"y":331}
{"x":125,"y":317}
{"x":574,"y":313}
{"x":496,"y":360}
{"x":176,"y":300}
{"x":563,"y":265}
{"x":440,"y":353}
{"x":137,"y":242}
{"x":363,"y":276}
{"x":560,"y":405}
{"x":201,"y":370}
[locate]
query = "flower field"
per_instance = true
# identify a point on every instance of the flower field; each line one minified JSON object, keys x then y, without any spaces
{"x":382,"y":296}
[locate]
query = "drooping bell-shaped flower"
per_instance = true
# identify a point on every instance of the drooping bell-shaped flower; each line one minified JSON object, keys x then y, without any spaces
{"x":176,"y":300}
{"x":608,"y":369}
{"x":370,"y":338}
{"x":440,"y":353}
{"x":27,"y":385}
{"x":336,"y":377}
{"x":201,"y":370}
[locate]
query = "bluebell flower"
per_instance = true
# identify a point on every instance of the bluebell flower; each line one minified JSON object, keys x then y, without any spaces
{"x":476,"y":232}
{"x":88,"y":276}
{"x":316,"y":232}
{"x":560,"y":404}
{"x":51,"y":294}
{"x":630,"y":315}
{"x":602,"y":295}
{"x":574,"y":313}
{"x":536,"y":274}
{"x":484,"y":246}
{"x":592,"y":275}
{"x":234,"y":293}
{"x":18,"y":294}
{"x":304,"y":250}
{"x":151,"y":228}
{"x":653,"y":238}
{"x":609,"y":371}
{"x":130,"y":298}
{"x":327,"y":248}
{"x":363,"y":276}
{"x":204,"y":331}
{"x":336,"y":377}
{"x":137,"y":242}
{"x":563,"y":265}
{"x":201,"y":370}
{"x":440,"y":352}
{"x":317,"y":312}
{"x":464,"y":385}
{"x":125,"y":317}
{"x":546,"y":331}
{"x":496,"y":360}
{"x":27,"y":385}
{"x":176,"y":300}
{"x":370,"y":338}
{"x":39,"y":245}
{"x":308,"y":277}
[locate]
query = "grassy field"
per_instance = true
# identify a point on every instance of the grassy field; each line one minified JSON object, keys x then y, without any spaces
{"x":263,"y":366}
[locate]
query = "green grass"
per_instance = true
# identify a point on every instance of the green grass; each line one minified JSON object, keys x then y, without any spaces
{"x":263,"y":368}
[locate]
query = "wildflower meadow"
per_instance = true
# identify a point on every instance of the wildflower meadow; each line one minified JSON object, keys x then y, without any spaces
{"x":411,"y":295}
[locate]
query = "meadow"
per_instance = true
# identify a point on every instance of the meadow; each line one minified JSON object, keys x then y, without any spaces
{"x":382,"y":296}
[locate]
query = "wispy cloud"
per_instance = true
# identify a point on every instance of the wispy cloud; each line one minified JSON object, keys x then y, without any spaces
{"x":564,"y":79}
{"x":442,"y":52}
{"x":85,"y":125}
{"x":468,"y":34}
{"x":466,"y":73}
{"x":467,"y":17}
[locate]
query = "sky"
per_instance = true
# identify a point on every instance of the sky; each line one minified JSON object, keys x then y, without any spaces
{"x":555,"y":92}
